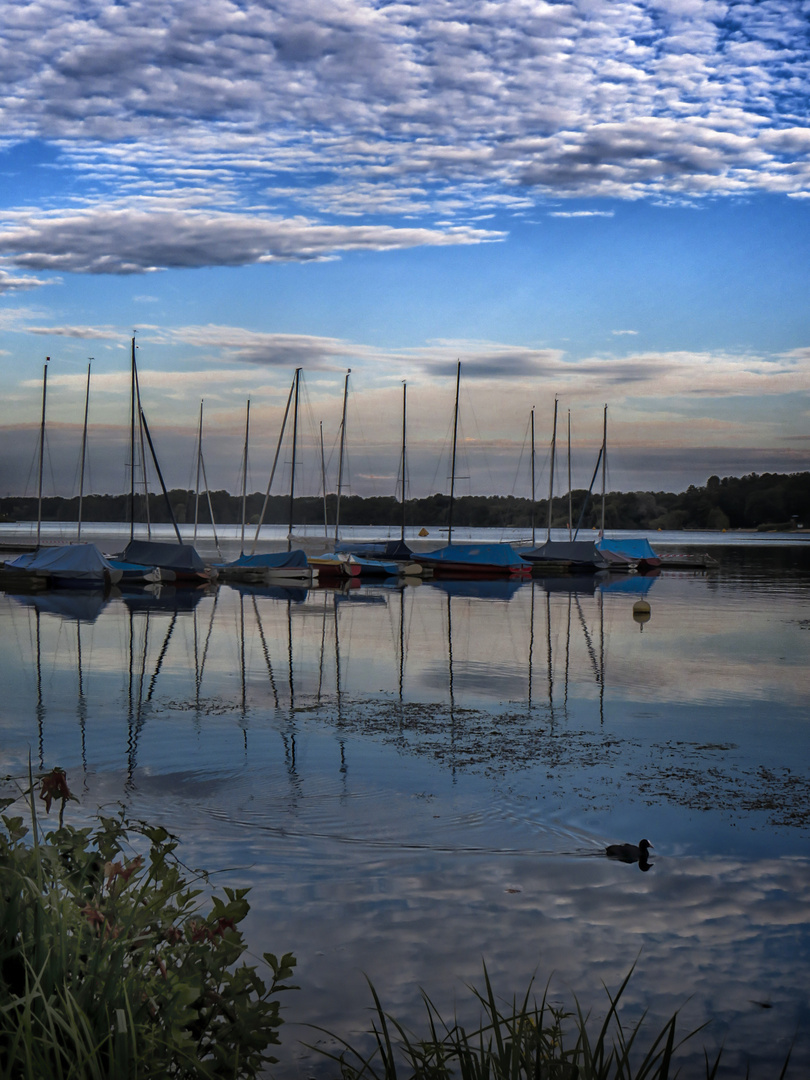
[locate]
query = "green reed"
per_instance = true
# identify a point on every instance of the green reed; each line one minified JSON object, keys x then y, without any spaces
{"x":523,"y":1040}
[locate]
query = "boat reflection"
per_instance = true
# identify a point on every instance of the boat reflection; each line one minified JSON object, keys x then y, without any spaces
{"x":184,"y":646}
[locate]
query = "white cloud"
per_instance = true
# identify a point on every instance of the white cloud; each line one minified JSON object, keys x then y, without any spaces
{"x":580,"y":213}
{"x":361,"y":108}
{"x":12,"y":283}
{"x":133,"y":240}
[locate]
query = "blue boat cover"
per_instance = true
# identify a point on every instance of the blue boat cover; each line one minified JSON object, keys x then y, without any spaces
{"x":631,"y":547}
{"x":276,"y":560}
{"x":503,"y":555}
{"x":177,"y":557}
{"x":74,"y":562}
{"x":375,"y":549}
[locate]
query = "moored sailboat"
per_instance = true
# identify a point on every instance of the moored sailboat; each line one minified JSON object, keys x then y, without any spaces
{"x":469,"y":560}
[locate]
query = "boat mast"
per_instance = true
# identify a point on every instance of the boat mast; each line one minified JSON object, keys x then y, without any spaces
{"x":570,"y":511}
{"x":551,"y":477}
{"x":199,"y":463}
{"x":275,"y":462}
{"x":292,"y":466}
{"x":84,"y":452}
{"x":404,"y":468}
{"x":132,"y":394}
{"x":453,"y":461}
{"x":244,"y":474}
{"x":604,"y":461}
{"x":323,"y":486}
{"x":42,"y":446}
{"x":534,"y":507}
{"x":340,"y":461}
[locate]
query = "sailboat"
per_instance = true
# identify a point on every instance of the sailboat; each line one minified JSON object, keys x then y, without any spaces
{"x":71,"y":566}
{"x":177,"y":562}
{"x":333,"y":564}
{"x":563,"y":555}
{"x":470,"y":560}
{"x":386,"y":558}
{"x":630,"y":551}
{"x":280,"y":567}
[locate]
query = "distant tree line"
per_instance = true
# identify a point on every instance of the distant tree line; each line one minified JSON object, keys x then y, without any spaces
{"x":769,"y":500}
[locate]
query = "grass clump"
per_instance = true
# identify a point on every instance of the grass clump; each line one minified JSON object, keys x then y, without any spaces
{"x":110,"y":967}
{"x":523,"y":1040}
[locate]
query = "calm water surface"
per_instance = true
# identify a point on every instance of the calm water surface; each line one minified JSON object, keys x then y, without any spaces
{"x":415,"y":780}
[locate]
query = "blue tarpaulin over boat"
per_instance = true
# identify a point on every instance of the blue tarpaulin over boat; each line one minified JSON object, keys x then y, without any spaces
{"x":631,"y":547}
{"x":181,"y":558}
{"x":375,"y":549}
{"x":82,"y":564}
{"x":475,"y":558}
{"x":582,"y":554}
{"x":276,"y":560}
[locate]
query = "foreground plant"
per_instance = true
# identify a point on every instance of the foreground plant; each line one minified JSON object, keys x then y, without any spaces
{"x":523,"y":1041}
{"x":110,"y":967}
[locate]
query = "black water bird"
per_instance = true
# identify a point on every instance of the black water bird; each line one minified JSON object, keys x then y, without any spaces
{"x":630,"y":853}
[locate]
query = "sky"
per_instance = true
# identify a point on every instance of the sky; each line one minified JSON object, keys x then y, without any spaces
{"x":603,"y":202}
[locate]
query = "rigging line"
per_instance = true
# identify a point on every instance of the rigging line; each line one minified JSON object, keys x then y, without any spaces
{"x":523,"y":448}
{"x":275,"y":461}
{"x":210,"y":507}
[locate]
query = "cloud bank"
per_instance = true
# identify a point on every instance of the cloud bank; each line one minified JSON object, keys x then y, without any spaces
{"x":364,"y":108}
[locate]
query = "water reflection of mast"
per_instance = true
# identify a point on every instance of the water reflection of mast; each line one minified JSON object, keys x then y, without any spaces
{"x":266,"y":652}
{"x":82,"y":702}
{"x":550,"y":658}
{"x":451,"y":688}
{"x":567,"y":649}
{"x":401,"y":646}
{"x":40,"y":709}
{"x":242,"y":671}
{"x":531,"y":636}
{"x":338,"y":694}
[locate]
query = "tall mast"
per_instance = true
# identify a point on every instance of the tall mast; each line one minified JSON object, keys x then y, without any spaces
{"x":275,"y":462}
{"x":404,"y":460}
{"x":84,"y":453}
{"x":292,"y":466}
{"x":570,"y":512}
{"x":323,"y":486}
{"x":551,"y":476}
{"x":42,"y":446}
{"x":604,"y":460}
{"x":533,"y":485}
{"x":199,"y":466}
{"x":132,"y":396}
{"x":244,"y":474}
{"x":340,"y":461}
{"x":453,"y":461}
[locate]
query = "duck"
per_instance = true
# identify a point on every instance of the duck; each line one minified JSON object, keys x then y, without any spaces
{"x":629,"y":853}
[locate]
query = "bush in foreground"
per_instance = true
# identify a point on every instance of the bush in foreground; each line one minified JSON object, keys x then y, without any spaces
{"x":110,"y":967}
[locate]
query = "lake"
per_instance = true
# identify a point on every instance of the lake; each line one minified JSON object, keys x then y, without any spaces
{"x":416,"y":780}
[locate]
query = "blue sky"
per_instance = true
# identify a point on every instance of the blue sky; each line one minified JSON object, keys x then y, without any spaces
{"x":603,"y":200}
